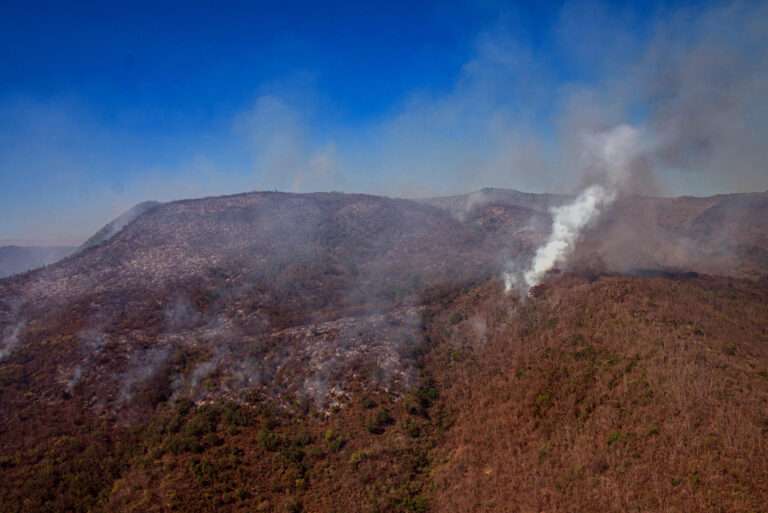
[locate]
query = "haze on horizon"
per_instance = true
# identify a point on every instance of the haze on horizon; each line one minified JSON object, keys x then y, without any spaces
{"x":103,"y":107}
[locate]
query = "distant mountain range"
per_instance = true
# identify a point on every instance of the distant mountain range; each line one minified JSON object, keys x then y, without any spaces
{"x":19,"y":259}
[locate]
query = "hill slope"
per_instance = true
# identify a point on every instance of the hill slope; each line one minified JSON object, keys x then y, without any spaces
{"x":280,"y":352}
{"x":620,"y":394}
{"x":726,"y":234}
{"x":114,"y":227}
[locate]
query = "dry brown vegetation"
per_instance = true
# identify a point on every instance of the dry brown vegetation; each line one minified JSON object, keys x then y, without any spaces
{"x":607,"y":394}
{"x":372,"y":455}
{"x":623,"y":394}
{"x":209,"y":358}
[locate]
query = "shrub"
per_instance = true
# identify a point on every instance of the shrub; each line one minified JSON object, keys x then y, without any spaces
{"x":236,"y":416}
{"x":212,"y":440}
{"x":293,"y":506}
{"x":418,"y":504}
{"x":378,"y":424}
{"x":178,"y":444}
{"x":302,"y":439}
{"x":293,"y":454}
{"x":542,"y":403}
{"x":412,"y":428}
{"x":334,"y":441}
{"x":204,"y":421}
{"x":427,"y":395}
{"x":268,"y":440}
{"x":358,"y":457}
{"x":413,"y":407}
{"x":203,"y":471}
{"x":337,"y":444}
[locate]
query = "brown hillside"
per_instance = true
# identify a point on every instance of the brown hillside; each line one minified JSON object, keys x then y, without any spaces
{"x":622,"y":394}
{"x":331,"y":352}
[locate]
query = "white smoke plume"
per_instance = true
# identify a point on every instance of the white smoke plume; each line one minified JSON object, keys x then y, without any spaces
{"x":74,"y":380}
{"x":608,"y":158}
{"x":10,"y":338}
{"x":567,"y":223}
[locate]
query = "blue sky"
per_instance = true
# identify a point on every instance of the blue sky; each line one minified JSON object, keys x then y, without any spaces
{"x":102,"y":105}
{"x":175,"y":63}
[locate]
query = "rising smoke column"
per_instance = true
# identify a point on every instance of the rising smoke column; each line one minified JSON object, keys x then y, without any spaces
{"x":607,"y":158}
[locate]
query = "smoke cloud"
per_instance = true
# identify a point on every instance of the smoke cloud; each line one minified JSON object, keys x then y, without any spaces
{"x":689,"y":88}
{"x":567,"y":223}
{"x":612,"y":159}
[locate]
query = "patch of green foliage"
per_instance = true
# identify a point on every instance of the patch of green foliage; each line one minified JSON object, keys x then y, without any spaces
{"x":379,"y":422}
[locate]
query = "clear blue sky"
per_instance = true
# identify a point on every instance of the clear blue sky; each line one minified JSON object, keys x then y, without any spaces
{"x":105,"y":104}
{"x":170,"y":65}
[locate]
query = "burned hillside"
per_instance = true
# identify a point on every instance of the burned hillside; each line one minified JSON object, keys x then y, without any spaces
{"x":225,"y":336}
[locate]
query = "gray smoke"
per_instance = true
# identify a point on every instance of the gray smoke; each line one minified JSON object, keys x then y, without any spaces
{"x":695,"y":87}
{"x":694,"y":92}
{"x":610,"y":158}
{"x":74,"y":379}
{"x":10,"y":339}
